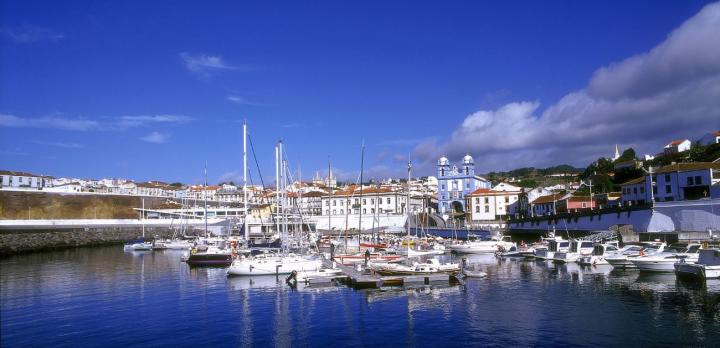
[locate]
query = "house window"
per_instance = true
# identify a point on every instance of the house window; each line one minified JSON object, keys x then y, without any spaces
{"x":477,"y":200}
{"x":642,"y":190}
{"x":668,"y":189}
{"x":584,"y":205}
{"x":334,"y":211}
{"x":357,"y":201}
{"x":477,"y":208}
{"x":442,"y":186}
{"x":388,"y":200}
{"x":372,"y":210}
{"x":364,"y":211}
{"x":634,"y":190}
{"x":667,"y":177}
{"x":654,"y":190}
{"x":467,"y":185}
{"x":334,"y":203}
{"x":698,"y":180}
{"x":372,"y":200}
{"x":487,"y":209}
{"x":327,"y":212}
{"x":364,"y":201}
{"x":342,"y":211}
{"x":487,"y":200}
{"x":507,"y":199}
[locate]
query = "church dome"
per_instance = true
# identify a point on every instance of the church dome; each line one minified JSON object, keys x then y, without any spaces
{"x":443,"y":161}
{"x":467,"y":159}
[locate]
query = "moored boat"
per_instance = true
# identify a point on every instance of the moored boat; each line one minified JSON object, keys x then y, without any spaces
{"x":706,"y":267}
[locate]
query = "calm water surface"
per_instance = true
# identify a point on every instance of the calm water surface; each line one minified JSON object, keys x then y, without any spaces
{"x":103,"y":297}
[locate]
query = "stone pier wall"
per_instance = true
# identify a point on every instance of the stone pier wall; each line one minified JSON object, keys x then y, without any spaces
{"x":21,"y":241}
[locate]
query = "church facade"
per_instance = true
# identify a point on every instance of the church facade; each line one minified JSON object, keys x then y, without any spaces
{"x":455,"y":182}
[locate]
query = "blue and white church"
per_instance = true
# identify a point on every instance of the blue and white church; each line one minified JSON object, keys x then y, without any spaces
{"x":455,"y":182}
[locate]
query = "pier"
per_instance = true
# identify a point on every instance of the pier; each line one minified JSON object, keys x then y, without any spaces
{"x":362,"y":280}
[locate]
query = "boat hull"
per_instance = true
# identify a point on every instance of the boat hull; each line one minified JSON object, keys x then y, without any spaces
{"x":209,"y":260}
{"x":272,"y":267}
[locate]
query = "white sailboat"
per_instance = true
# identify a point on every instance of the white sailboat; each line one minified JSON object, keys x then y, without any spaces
{"x":285,"y":263}
{"x":141,"y":244}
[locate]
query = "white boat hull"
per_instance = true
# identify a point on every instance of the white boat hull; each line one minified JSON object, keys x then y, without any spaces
{"x":272,"y":266}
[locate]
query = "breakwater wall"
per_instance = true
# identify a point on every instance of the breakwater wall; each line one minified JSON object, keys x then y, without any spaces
{"x":31,"y":240}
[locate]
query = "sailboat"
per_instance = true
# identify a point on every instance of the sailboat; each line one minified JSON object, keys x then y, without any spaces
{"x":285,"y":263}
{"x":214,"y":252}
{"x":140,"y":244}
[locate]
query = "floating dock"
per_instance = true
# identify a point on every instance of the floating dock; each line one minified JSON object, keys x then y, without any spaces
{"x":361,"y":280}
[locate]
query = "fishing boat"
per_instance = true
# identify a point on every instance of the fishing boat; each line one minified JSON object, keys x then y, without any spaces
{"x":268,"y":264}
{"x":706,"y":267}
{"x":600,"y":251}
{"x":578,"y":249}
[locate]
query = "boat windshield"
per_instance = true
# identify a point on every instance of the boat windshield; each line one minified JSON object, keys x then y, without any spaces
{"x":676,"y":248}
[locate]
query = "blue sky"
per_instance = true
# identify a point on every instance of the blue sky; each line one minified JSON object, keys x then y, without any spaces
{"x":153,"y":89}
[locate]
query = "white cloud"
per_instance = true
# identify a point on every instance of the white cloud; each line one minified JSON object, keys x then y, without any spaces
{"x":242,"y":101}
{"x":84,"y":124}
{"x":62,"y":144}
{"x":27,"y":34}
{"x":58,"y":122}
{"x":204,"y":65}
{"x":672,"y":91}
{"x":156,"y":138}
{"x":135,"y":121}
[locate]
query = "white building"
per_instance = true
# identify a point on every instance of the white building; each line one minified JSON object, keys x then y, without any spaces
{"x":371,"y":201}
{"x":494,"y":204}
{"x":677,"y":146}
{"x":12,"y":179}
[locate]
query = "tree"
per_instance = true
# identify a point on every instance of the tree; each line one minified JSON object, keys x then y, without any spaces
{"x":627,"y":155}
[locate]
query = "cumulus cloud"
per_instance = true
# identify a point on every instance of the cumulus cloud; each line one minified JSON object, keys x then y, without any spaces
{"x":27,"y":34}
{"x":672,"y":91}
{"x":58,"y":122}
{"x":156,"y":138}
{"x":62,"y":144}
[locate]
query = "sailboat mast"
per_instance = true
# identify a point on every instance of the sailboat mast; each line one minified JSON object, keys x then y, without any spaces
{"x":143,"y":218}
{"x":329,"y":198}
{"x":407,"y":204}
{"x":245,"y":194}
{"x":362,"y":163}
{"x":277,"y":189}
{"x":205,"y":198}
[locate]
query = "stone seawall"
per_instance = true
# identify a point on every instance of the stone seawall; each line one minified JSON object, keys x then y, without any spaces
{"x":21,"y":241}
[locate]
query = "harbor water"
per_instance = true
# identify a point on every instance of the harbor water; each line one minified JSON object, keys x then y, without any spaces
{"x":103,"y":297}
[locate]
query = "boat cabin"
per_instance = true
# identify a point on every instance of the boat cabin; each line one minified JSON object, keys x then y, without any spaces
{"x":709,"y":257}
{"x":559,"y":246}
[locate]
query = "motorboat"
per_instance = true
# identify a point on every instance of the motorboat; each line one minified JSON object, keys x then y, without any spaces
{"x":600,"y":251}
{"x":706,"y":267}
{"x":553,"y":245}
{"x":621,"y":259}
{"x":496,"y":243}
{"x":269,"y":264}
{"x":517,"y":251}
{"x":431,"y":266}
{"x":665,"y":261}
{"x":578,"y":249}
{"x":138,"y":245}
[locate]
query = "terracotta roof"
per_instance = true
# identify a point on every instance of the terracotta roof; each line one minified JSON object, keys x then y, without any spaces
{"x":634,"y":181}
{"x":491,"y":192}
{"x":14,"y":173}
{"x":677,"y":142}
{"x":314,"y":194}
{"x":684,"y":167}
{"x":548,"y":198}
{"x":717,"y":134}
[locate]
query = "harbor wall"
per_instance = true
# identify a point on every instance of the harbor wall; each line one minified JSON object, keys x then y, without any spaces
{"x":31,"y":240}
{"x":686,"y":219}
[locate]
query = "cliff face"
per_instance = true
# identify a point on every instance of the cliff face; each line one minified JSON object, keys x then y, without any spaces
{"x":24,"y":205}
